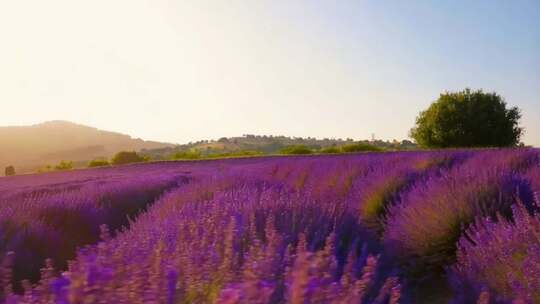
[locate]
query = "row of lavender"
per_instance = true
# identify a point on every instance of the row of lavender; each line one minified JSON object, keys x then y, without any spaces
{"x":51,"y":215}
{"x":369,"y":228}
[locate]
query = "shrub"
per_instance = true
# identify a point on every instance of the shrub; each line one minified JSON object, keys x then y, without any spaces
{"x":64,"y":165}
{"x":330,"y":150}
{"x":389,"y":180}
{"x":127,"y":157}
{"x":381,"y":195}
{"x":360,"y":147}
{"x":98,"y":163}
{"x":10,"y":170}
{"x":504,"y":256}
{"x":46,"y":168}
{"x":235,"y":154}
{"x":298,"y":149}
{"x":468,"y":119}
{"x":192,"y":154}
{"x":423,"y":229}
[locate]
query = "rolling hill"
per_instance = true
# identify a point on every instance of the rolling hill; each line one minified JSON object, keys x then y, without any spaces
{"x":267,"y":144}
{"x":30,"y":147}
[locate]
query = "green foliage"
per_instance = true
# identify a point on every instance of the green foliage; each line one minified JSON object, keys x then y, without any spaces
{"x":127,"y":157}
{"x":468,"y":119}
{"x":192,"y":154}
{"x":98,"y":163}
{"x":379,"y":198}
{"x":10,"y":170}
{"x":330,"y":150}
{"x":235,"y":154}
{"x":296,"y":149}
{"x":64,"y":165}
{"x":46,"y":168}
{"x":196,"y":154}
{"x":360,"y":147}
{"x":268,"y":144}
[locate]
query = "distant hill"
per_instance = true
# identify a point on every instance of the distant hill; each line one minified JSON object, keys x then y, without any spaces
{"x":267,"y":144}
{"x":30,"y":147}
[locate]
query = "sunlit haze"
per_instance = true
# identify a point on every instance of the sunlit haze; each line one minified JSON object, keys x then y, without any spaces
{"x":179,"y":71}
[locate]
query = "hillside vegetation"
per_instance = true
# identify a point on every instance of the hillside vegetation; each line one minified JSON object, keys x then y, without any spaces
{"x":30,"y":147}
{"x":262,"y":144}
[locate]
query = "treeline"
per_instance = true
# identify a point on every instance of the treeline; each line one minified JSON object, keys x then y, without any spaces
{"x":288,"y":150}
{"x":120,"y":158}
{"x":350,"y":148}
{"x":129,"y":157}
{"x":243,"y":146}
{"x":263,"y":144}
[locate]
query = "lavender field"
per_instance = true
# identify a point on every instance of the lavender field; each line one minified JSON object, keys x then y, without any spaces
{"x":452,"y":226}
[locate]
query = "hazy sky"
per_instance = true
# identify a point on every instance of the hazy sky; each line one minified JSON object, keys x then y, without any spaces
{"x":187,"y":70}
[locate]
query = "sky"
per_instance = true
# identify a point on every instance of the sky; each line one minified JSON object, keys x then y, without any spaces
{"x":181,"y":71}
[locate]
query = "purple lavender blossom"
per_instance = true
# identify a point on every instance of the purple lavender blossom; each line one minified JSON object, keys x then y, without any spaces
{"x":303,"y":229}
{"x":503,"y":255}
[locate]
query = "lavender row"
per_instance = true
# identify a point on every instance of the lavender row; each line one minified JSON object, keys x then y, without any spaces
{"x":52,"y":224}
{"x":337,"y":229}
{"x":229,"y":242}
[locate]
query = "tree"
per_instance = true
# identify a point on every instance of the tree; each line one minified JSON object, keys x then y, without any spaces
{"x":191,"y":154}
{"x":64,"y":165}
{"x":98,"y":163}
{"x":468,"y":119}
{"x":10,"y":170}
{"x":46,"y":168}
{"x":127,"y":157}
{"x":296,"y":149}
{"x":330,"y":150}
{"x":360,"y":147}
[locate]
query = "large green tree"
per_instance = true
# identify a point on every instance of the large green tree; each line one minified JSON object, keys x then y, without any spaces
{"x":468,"y":119}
